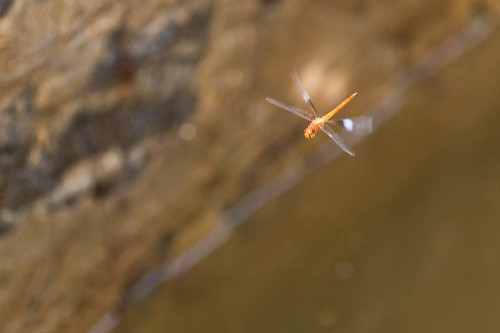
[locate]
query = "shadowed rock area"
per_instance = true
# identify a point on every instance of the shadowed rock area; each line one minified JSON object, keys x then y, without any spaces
{"x":127,"y":129}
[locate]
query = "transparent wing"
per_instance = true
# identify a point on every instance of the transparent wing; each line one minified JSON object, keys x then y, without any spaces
{"x":299,"y":112}
{"x":303,"y":92}
{"x":335,"y":137}
{"x":361,"y":125}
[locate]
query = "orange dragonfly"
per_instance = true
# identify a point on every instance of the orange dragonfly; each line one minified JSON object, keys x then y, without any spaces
{"x":357,"y":125}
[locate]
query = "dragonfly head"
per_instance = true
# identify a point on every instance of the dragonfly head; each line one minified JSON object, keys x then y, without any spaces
{"x":309,"y":132}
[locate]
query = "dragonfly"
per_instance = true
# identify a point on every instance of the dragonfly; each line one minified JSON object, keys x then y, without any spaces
{"x":360,"y":125}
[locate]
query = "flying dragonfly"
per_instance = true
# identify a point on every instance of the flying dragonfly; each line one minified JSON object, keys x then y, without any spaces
{"x":357,"y":125}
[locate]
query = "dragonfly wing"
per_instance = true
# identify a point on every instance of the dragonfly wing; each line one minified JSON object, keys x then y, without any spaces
{"x":335,"y":137}
{"x":299,"y":112}
{"x":358,"y":125}
{"x":303,"y":92}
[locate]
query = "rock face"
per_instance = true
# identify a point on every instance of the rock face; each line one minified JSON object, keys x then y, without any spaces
{"x":82,"y":80}
{"x":126,"y":128}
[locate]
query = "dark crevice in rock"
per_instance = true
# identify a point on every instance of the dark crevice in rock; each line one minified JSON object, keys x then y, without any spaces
{"x":93,"y":132}
{"x":270,"y":2}
{"x":5,"y":6}
{"x":118,"y":65}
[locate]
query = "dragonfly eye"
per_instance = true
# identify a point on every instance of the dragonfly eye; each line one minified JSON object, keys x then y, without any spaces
{"x":309,"y":133}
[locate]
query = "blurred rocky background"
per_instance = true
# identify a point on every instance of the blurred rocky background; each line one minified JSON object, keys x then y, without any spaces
{"x":128,"y":129}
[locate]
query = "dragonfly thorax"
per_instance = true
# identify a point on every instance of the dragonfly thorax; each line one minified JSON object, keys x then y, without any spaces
{"x":313,"y":128}
{"x":309,"y":132}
